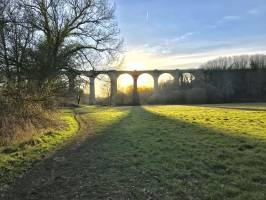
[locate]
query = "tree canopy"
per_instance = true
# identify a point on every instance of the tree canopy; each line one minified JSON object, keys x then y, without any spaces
{"x":41,"y":38}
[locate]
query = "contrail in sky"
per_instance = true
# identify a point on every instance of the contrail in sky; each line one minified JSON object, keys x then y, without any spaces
{"x":147,"y":16}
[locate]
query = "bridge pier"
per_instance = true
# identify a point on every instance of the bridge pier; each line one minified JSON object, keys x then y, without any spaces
{"x":176,"y":76}
{"x":156,"y":83}
{"x":135,"y":94}
{"x":113,"y":77}
{"x":92,"y":99}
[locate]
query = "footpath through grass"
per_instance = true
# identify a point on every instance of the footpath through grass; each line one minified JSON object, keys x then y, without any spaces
{"x":157,"y":152}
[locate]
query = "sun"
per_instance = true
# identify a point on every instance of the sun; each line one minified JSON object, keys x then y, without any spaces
{"x":137,"y":60}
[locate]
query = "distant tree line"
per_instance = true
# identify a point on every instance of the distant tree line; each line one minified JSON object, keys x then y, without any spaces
{"x":237,"y":62}
{"x":238,"y":78}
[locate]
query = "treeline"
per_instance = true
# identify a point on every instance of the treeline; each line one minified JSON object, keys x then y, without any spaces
{"x":238,"y":78}
{"x":237,"y":62}
{"x":40,"y":40}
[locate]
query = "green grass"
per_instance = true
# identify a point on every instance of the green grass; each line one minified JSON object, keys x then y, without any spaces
{"x":156,"y":152}
{"x":16,"y":159}
{"x":177,"y":152}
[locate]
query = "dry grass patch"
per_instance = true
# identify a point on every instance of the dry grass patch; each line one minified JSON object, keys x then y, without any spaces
{"x":43,"y":139}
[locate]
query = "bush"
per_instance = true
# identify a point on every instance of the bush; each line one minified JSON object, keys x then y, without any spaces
{"x":21,"y":118}
{"x":196,"y":96}
{"x":169,"y":97}
{"x":22,"y":122}
{"x":214,"y":95}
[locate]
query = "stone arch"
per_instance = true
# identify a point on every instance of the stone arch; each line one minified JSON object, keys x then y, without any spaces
{"x":125,"y":83}
{"x":166,"y":78}
{"x":145,"y":87}
{"x":145,"y":79}
{"x":103,"y":89}
{"x":186,"y":79}
{"x":124,"y":80}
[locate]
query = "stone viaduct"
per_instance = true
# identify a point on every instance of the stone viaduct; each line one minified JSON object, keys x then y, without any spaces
{"x":114,"y":74}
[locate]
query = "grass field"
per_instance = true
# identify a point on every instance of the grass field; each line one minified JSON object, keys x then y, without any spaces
{"x":182,"y":152}
{"x":161,"y":152}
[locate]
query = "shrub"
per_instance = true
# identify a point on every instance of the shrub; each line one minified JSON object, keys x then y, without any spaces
{"x":196,"y":96}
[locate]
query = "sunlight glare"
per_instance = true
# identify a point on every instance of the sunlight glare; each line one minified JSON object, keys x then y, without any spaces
{"x":124,"y":81}
{"x":145,"y":80}
{"x":102,"y":86}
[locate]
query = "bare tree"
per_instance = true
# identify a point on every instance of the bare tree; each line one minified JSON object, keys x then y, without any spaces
{"x":73,"y":33}
{"x":41,"y":38}
{"x":241,"y":62}
{"x":16,"y":40}
{"x":258,"y":62}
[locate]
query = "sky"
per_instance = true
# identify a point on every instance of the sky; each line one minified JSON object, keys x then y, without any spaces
{"x":167,"y":34}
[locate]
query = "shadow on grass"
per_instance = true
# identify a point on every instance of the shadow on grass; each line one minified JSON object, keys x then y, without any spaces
{"x":148,"y":156}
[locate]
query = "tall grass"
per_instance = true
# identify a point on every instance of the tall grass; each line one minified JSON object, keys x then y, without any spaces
{"x":21,"y":121}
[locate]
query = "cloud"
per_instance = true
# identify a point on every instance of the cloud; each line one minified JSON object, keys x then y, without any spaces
{"x":210,"y":26}
{"x":182,"y":37}
{"x":229,"y":18}
{"x":225,"y":19}
{"x":162,"y":46}
{"x":143,"y":60}
{"x":253,"y":11}
{"x":191,"y":53}
{"x":176,"y":40}
{"x":175,"y":46}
